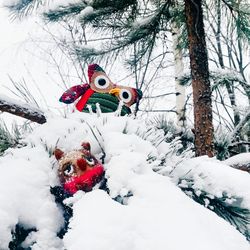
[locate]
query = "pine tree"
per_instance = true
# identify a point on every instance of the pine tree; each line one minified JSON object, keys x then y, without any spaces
{"x":203,"y":121}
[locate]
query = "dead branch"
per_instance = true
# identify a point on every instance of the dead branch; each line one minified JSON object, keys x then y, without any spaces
{"x":21,"y":109}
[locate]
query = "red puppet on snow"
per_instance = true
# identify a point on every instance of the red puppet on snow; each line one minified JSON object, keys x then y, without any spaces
{"x":78,"y":169}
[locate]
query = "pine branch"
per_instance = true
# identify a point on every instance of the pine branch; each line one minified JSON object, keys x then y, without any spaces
{"x":239,"y":127}
{"x":64,"y":12}
{"x":102,"y":9}
{"x":11,"y":139}
{"x":21,"y":109}
{"x":22,"y":8}
{"x":227,"y":207}
{"x":240,"y":12}
{"x":6,"y":139}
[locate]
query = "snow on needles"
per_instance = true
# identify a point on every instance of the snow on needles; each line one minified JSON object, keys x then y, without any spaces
{"x":216,"y":178}
{"x":85,"y":12}
{"x":5,"y":100}
{"x":243,"y":158}
{"x":155,"y":215}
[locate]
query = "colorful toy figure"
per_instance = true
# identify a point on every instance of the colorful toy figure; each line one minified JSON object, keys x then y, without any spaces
{"x":103,"y":91}
{"x":78,"y":169}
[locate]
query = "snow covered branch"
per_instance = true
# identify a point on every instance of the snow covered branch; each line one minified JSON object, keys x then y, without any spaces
{"x":242,"y":123}
{"x":21,"y":109}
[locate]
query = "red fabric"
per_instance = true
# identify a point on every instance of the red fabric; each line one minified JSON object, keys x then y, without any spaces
{"x":74,"y":93}
{"x":82,"y":102}
{"x":86,"y":181}
{"x":81,"y":163}
{"x":91,"y":70}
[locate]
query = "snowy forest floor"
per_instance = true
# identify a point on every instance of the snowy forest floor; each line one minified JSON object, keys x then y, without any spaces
{"x":144,"y":208}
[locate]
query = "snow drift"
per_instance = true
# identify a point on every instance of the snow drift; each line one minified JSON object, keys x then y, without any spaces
{"x":154,"y":212}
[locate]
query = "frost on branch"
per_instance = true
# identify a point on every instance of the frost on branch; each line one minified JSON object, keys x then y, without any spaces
{"x":219,"y":77}
{"x":21,"y":109}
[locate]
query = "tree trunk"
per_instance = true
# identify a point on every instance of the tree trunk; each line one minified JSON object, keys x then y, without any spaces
{"x":21,"y":109}
{"x":203,"y":124}
{"x":179,"y":68}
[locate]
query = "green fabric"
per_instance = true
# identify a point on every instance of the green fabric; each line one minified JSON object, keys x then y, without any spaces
{"x":108,"y":103}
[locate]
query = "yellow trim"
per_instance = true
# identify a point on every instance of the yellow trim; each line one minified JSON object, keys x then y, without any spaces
{"x":115,"y":91}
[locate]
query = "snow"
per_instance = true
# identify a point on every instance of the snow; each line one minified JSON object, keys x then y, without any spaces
{"x":25,"y":197}
{"x":216,"y":178}
{"x":57,"y":4}
{"x":143,"y":22}
{"x":85,"y":12}
{"x":10,"y":101}
{"x":243,"y":158}
{"x":219,"y":74}
{"x":156,"y":214}
{"x":9,"y":2}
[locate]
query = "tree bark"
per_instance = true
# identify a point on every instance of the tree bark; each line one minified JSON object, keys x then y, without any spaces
{"x":203,"y":124}
{"x":179,"y":69}
{"x":22,"y":110}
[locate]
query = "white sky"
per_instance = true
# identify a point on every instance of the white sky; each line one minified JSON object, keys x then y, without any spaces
{"x":17,"y":50}
{"x":19,"y":58}
{"x":13,"y":35}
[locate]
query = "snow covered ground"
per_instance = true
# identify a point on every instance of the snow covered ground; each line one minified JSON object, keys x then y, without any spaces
{"x":157,"y":216}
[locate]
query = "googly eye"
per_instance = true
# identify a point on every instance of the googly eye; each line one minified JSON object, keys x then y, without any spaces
{"x":101,"y":82}
{"x":68,"y":169}
{"x":90,"y":160}
{"x":125,"y":95}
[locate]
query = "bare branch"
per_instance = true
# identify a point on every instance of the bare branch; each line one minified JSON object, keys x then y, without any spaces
{"x":22,"y":110}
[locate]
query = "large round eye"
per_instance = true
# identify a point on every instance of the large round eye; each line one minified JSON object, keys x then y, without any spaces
{"x":101,"y":82}
{"x":125,"y":95}
{"x":68,"y":169}
{"x":90,"y":160}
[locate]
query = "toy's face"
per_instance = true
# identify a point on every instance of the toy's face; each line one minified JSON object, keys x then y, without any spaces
{"x":100,"y":82}
{"x":74,"y":164}
{"x":103,"y":91}
{"x":127,"y":95}
{"x":78,"y":169}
